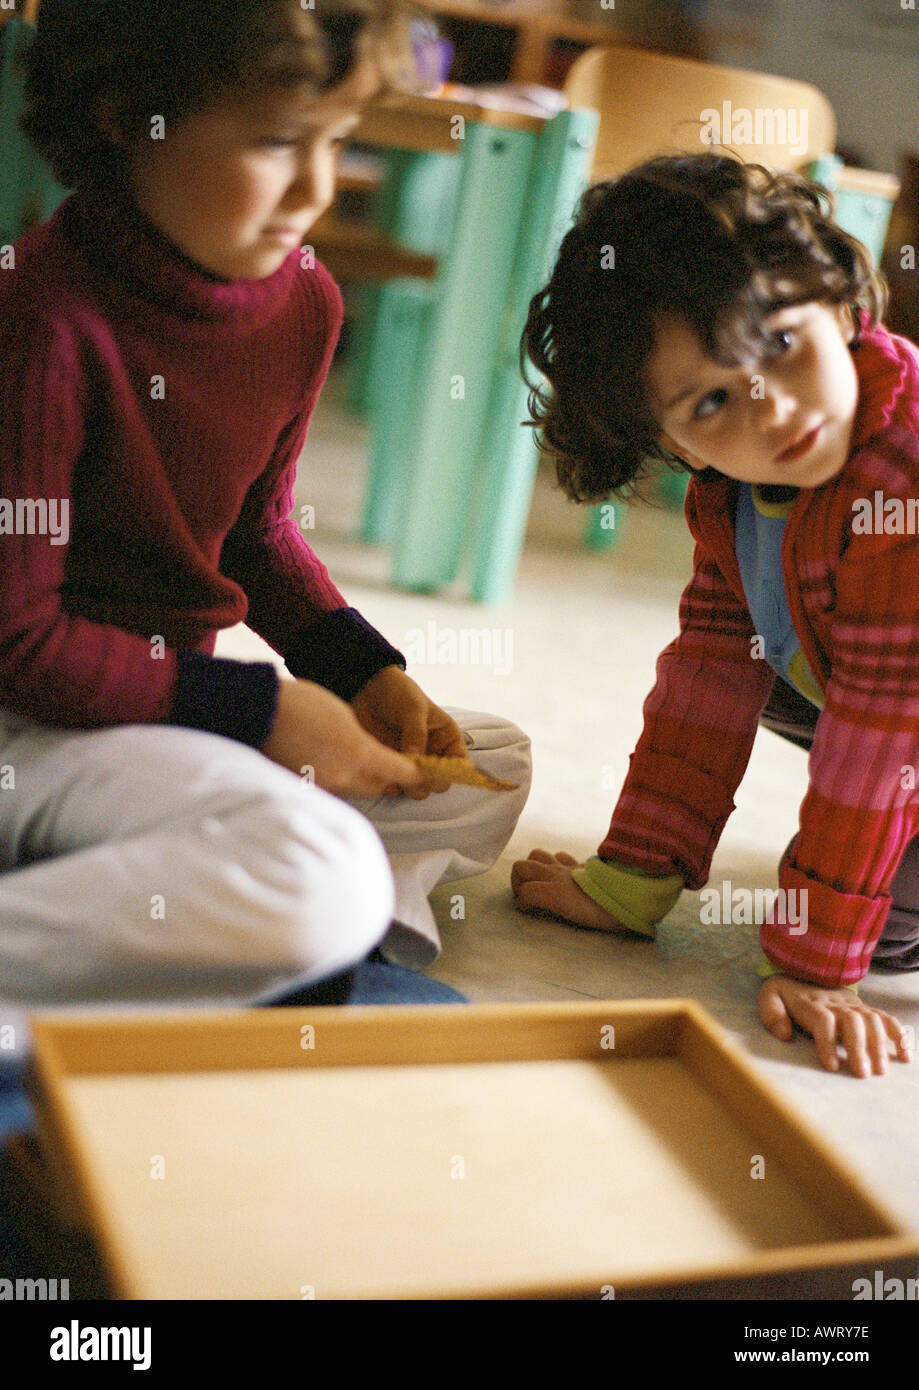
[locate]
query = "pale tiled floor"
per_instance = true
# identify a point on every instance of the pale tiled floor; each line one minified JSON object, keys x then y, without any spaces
{"x":585,"y":631}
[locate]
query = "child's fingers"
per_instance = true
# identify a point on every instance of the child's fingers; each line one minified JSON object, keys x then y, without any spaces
{"x":774,"y":1015}
{"x":393,"y":769}
{"x":816,"y":1019}
{"x":563,"y":898}
{"x":837,"y":1024}
{"x":820,"y":1022}
{"x":551,"y":895}
{"x":437,"y":784}
{"x":413,"y":734}
{"x":881,"y":1028}
{"x":425,"y":785}
{"x":854,"y":1030}
{"x":446,"y":741}
{"x":534,"y":867}
{"x":540,"y":864}
{"x":535,"y":895}
{"x":900,"y":1037}
{"x":876,"y":1042}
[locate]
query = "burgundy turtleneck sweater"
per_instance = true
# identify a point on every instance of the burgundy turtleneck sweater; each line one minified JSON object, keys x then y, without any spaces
{"x":161,"y":410}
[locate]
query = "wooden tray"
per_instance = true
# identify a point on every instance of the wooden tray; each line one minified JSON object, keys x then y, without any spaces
{"x":482,"y":1151}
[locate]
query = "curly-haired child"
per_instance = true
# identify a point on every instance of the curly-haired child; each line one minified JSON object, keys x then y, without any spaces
{"x":172,"y":823}
{"x":706,"y":313}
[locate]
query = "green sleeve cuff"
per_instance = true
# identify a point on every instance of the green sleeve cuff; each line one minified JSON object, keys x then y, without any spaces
{"x":765,"y":970}
{"x":634,"y":898}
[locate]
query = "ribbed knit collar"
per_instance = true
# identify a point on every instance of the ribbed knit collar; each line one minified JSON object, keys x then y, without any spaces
{"x":882,"y":371}
{"x":111,"y":232}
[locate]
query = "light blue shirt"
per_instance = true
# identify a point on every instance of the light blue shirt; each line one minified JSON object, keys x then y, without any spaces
{"x":758,"y":530}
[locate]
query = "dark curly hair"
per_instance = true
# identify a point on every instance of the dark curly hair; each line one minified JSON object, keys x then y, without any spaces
{"x":704,"y":238}
{"x":128,"y":60}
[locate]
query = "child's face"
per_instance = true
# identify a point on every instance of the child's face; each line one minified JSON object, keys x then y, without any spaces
{"x":237,"y":185}
{"x":787,"y":419}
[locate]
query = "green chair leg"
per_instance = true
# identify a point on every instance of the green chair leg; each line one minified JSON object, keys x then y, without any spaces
{"x":864,"y":215}
{"x":504,"y":504}
{"x":400,"y":341}
{"x":366,"y":299}
{"x":605,"y":523}
{"x":415,"y":206}
{"x":672,"y":487}
{"x":459,"y":364}
{"x":603,"y":526}
{"x":508,"y":455}
{"x":29,"y":192}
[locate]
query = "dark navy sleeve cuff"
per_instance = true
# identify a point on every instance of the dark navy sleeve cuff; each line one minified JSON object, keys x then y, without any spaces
{"x":341,"y":651}
{"x":238,"y":699}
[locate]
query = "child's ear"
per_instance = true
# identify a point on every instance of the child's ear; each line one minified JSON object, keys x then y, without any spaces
{"x":682,"y":453}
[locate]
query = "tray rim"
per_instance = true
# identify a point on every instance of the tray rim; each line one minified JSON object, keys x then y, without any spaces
{"x":685,"y":1022}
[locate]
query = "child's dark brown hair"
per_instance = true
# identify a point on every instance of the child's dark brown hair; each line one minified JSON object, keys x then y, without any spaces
{"x":704,"y":238}
{"x":98,"y":63}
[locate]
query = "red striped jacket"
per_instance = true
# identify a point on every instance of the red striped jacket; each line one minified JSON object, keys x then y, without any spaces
{"x":850,"y":558}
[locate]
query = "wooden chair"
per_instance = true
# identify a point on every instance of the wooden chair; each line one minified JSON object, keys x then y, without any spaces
{"x":26,"y":9}
{"x":651,"y":103}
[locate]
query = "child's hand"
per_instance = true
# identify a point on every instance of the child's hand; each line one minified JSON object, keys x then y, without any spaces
{"x":398,"y":713}
{"x":313,"y":729}
{"x":834,"y":1018}
{"x":542,"y":883}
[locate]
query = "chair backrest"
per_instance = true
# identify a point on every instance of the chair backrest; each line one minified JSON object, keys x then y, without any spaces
{"x":26,"y":10}
{"x":651,"y":103}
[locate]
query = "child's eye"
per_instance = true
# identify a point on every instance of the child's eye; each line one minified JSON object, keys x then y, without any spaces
{"x":282,"y":142}
{"x":782,"y":339}
{"x":709,"y":404}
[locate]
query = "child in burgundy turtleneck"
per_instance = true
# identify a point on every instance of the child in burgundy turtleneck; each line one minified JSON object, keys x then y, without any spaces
{"x":163,"y":341}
